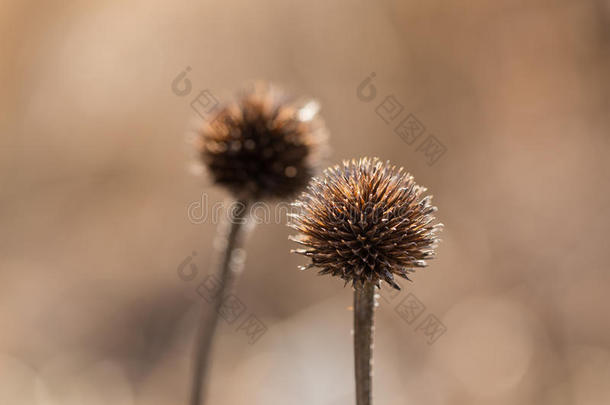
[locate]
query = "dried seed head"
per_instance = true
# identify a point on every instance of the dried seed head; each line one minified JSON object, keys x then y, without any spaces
{"x":365,"y":221}
{"x":263,"y":145}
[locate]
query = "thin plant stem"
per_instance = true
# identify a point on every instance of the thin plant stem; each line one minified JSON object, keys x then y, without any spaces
{"x":209,"y":319}
{"x":364,"y":312}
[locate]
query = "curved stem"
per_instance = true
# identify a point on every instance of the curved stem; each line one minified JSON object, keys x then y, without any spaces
{"x":209,"y":319}
{"x":364,"y":312}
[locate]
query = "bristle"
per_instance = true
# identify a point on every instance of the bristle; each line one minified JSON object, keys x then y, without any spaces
{"x":366,"y":221}
{"x":262,"y":145}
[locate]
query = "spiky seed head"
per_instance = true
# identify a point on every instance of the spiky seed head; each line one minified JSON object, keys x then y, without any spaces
{"x":365,"y":220}
{"x":264,"y":144}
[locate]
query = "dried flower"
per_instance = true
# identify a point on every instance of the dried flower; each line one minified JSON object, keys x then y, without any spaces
{"x":263,"y":145}
{"x":366,"y":221}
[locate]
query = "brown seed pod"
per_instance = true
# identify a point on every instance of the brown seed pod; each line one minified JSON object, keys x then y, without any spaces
{"x":263,"y":145}
{"x":365,"y":221}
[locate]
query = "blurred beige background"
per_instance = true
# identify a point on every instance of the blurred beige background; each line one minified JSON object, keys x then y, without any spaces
{"x":95,"y":185}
